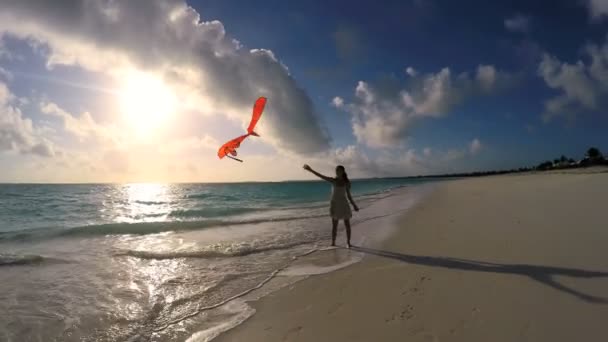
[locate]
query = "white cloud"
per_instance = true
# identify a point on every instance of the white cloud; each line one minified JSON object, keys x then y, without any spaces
{"x":572,"y":79}
{"x":517,"y":23}
{"x":5,"y":74}
{"x":599,"y":63}
{"x":192,"y":144}
{"x":17,"y":134}
{"x":597,"y":8}
{"x":4,"y":53}
{"x":352,"y":157}
{"x":5,"y":95}
{"x":167,"y":36}
{"x":400,"y":162}
{"x":475,"y":146}
{"x":360,"y":163}
{"x":411,"y":71}
{"x":383,"y":114}
{"x":83,"y":126}
{"x":337,"y":102}
{"x":486,"y":76}
{"x":582,"y":86}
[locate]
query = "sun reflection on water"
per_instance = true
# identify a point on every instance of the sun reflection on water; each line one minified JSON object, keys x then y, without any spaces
{"x":145,"y":202}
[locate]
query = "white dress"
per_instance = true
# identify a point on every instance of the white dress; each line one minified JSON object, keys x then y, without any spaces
{"x":339,"y":208}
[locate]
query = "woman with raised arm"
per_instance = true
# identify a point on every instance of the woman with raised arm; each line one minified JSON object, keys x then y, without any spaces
{"x":339,"y":208}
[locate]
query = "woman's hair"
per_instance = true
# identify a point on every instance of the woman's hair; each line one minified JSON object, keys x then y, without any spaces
{"x":345,"y":176}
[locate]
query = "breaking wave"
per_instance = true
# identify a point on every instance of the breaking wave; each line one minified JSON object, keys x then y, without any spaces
{"x":15,"y":259}
{"x":140,"y":228}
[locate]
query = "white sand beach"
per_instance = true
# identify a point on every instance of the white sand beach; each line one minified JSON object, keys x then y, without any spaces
{"x":504,"y":258}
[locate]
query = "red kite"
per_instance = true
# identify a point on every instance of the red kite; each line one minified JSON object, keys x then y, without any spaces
{"x":229,"y":148}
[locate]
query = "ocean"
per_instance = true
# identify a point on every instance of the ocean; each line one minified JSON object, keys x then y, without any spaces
{"x":167,"y":262}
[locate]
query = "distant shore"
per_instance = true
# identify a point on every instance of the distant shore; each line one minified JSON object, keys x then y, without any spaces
{"x":519,"y":257}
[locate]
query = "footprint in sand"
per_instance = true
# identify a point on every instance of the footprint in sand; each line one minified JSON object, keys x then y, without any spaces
{"x":389,"y":320}
{"x":407,"y":313}
{"x":425,"y":334}
{"x":413,"y":290}
{"x":430,"y":337}
{"x":291,"y":333}
{"x":334,"y":308}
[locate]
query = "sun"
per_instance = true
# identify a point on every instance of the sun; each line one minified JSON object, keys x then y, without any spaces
{"x":146,"y":102}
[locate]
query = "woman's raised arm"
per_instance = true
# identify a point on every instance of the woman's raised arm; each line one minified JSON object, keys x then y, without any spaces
{"x":323,"y":177}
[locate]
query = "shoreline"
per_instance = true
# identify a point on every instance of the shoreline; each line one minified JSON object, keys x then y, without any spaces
{"x":473,"y":174}
{"x":321,"y":260}
{"x":489,"y":258}
{"x":164,"y":284}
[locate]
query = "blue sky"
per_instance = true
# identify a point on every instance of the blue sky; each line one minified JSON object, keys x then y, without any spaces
{"x":492,"y":84}
{"x":430,"y":35}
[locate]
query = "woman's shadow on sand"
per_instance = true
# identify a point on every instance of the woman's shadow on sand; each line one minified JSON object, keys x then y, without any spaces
{"x":542,"y":274}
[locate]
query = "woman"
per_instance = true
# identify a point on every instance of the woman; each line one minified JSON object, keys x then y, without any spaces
{"x":339,"y":208}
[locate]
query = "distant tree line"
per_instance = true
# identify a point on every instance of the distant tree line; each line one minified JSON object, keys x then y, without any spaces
{"x":593,"y":157}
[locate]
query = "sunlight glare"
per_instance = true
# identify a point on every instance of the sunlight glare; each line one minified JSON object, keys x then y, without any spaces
{"x":146,"y":102}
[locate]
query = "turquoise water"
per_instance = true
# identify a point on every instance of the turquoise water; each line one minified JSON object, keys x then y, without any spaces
{"x":30,"y":210}
{"x":168,"y":262}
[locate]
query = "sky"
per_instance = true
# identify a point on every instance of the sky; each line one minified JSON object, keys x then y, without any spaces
{"x":147,"y":90}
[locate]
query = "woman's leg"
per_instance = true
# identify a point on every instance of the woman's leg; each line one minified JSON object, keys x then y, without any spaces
{"x":347,"y":224}
{"x":334,"y":231}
